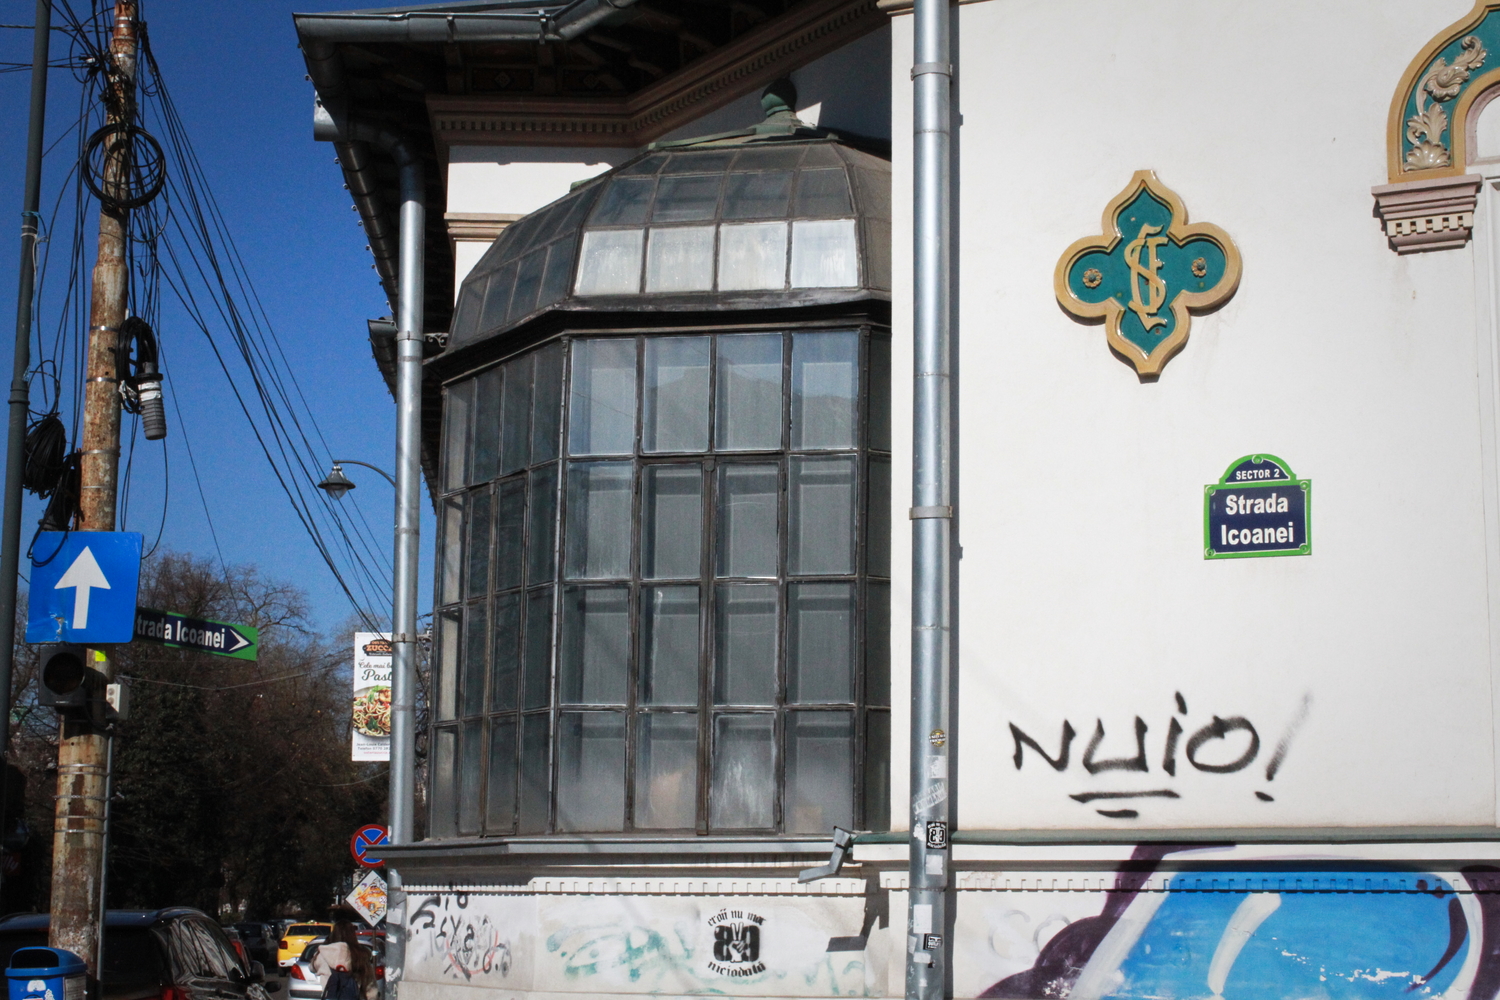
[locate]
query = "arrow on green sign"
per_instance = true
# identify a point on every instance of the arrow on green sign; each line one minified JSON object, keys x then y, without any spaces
{"x":181,"y":632}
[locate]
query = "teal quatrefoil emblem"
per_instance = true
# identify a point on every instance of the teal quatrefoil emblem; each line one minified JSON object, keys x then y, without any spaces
{"x":1147,"y":273}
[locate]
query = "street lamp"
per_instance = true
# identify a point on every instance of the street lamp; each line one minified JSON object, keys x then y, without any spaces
{"x":336,"y":484}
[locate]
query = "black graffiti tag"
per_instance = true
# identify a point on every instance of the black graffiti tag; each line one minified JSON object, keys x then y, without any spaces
{"x":1218,"y":730}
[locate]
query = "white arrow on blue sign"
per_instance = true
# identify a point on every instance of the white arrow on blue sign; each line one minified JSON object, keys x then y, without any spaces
{"x":83,"y":586}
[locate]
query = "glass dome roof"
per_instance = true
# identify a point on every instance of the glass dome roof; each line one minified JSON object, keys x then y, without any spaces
{"x":772,"y":221}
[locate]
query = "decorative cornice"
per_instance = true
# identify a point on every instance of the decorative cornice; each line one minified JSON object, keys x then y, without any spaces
{"x":754,"y":60}
{"x":895,"y":7}
{"x":478,"y":225}
{"x":1433,"y":213}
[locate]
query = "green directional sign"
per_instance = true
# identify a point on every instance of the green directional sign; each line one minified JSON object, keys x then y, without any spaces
{"x":181,"y":632}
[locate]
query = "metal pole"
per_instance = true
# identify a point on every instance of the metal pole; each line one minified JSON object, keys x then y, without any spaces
{"x":109,"y":785}
{"x":928,"y":948}
{"x":411,"y":285}
{"x":20,"y":401}
{"x":78,"y":838}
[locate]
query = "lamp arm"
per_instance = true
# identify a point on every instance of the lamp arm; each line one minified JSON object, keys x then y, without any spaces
{"x":367,"y":465}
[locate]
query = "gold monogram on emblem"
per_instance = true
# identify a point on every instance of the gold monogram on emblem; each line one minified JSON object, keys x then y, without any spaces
{"x":1156,"y":289}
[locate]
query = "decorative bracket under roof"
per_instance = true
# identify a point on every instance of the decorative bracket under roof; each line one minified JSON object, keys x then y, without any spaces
{"x":1430,"y":200}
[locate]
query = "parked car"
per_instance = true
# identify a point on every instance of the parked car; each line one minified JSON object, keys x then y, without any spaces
{"x":260,"y":940}
{"x":295,"y":938}
{"x":174,"y":954}
{"x":305,"y":984}
{"x":238,"y":944}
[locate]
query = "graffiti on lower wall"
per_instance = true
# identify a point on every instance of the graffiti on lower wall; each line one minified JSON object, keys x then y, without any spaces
{"x":1254,"y":935}
{"x":1225,"y":745}
{"x":464,"y":942}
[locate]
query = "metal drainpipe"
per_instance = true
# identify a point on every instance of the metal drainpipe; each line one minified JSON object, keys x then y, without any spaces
{"x":411,"y":289}
{"x":934,"y":589}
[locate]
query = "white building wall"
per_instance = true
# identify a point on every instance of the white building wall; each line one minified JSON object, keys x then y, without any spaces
{"x":1086,"y":596}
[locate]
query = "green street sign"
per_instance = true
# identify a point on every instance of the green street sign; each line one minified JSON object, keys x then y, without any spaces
{"x":168,"y":628}
{"x":1258,"y":508}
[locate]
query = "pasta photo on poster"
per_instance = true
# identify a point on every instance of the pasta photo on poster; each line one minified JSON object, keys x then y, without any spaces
{"x":371,"y":709}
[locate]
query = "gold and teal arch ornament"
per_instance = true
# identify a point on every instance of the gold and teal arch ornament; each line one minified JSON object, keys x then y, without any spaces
{"x":1147,"y":273}
{"x":1428,"y":130}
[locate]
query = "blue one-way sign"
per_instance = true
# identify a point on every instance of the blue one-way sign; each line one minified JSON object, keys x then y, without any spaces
{"x":83,"y":586}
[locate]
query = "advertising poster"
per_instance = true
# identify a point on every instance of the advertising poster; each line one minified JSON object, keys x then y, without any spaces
{"x":372,"y":696}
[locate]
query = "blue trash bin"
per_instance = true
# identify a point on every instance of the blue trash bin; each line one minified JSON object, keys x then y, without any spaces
{"x":46,"y":974}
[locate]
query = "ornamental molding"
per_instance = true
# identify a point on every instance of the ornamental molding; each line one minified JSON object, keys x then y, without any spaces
{"x":485,"y":226}
{"x":1429,"y":201}
{"x":752,"y":61}
{"x":1434,"y":213}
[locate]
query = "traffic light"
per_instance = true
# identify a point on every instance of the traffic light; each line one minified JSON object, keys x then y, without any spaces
{"x":76,"y":689}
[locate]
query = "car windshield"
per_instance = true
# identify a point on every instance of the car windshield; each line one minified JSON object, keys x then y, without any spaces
{"x":300,"y":929}
{"x":311,"y":950}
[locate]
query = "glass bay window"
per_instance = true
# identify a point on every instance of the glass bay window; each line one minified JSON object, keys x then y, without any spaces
{"x":663,"y":587}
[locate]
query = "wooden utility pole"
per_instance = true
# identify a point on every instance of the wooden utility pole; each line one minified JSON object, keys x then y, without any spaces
{"x":78,"y":841}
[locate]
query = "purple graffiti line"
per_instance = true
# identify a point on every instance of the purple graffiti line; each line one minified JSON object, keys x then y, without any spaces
{"x":1458,"y":933}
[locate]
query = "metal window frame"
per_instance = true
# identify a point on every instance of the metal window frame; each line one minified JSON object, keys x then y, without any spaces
{"x":709,"y":461}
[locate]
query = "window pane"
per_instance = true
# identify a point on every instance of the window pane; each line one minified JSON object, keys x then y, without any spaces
{"x":611,"y":263}
{"x":500,"y":788}
{"x":470,"y":775}
{"x":486,"y":427}
{"x":666,"y":771}
{"x":476,"y":664}
{"x":824,"y":254}
{"x":745,"y":645}
{"x":878,"y":519}
{"x":466,"y":313}
{"x":452,"y":554}
{"x":742,"y":792}
{"x":819,"y":772}
{"x":752,"y":255}
{"x":687,"y":199}
{"x":497,"y":297}
{"x":546,"y":420}
{"x":820,"y":643}
{"x":821,"y":521}
{"x":825,"y":380}
{"x":747,"y":519}
{"x":675,"y":401}
{"x":515,"y":452}
{"x":541,"y":516}
{"x":669,"y":646}
{"x":823,"y":192}
{"x":595,"y":660}
{"x":877,"y":761}
{"x":457,"y":403}
{"x":528,"y":280}
{"x":510,"y":508}
{"x":672,"y":528}
{"x":559,"y":276}
{"x":477,"y":573}
{"x":625,"y":203}
{"x":505,"y":655}
{"x":749,"y":393}
{"x":601,"y":399}
{"x":538,"y":666}
{"x":680,"y":259}
{"x":878,"y":644}
{"x":446,"y":681}
{"x":880,"y":394}
{"x":761,"y":195}
{"x":598,"y":532}
{"x":444,"y":810}
{"x":535,"y":772}
{"x":697,"y":162}
{"x":590,"y":771}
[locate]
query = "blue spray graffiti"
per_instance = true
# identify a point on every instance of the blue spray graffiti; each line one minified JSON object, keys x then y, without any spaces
{"x":1273,"y":936}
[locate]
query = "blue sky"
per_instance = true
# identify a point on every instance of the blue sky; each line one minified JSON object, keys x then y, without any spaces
{"x":237,"y":78}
